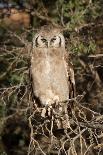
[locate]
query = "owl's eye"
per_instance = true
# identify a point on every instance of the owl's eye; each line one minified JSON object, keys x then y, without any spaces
{"x":53,"y":39}
{"x":44,"y":40}
{"x":41,"y":42}
{"x":55,"y":42}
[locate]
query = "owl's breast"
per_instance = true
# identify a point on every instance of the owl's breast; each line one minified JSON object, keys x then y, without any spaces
{"x":39,"y":53}
{"x":56,"y":53}
{"x":49,"y":75}
{"x":42,"y":53}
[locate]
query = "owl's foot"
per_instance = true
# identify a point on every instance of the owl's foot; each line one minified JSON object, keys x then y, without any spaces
{"x":59,"y":113}
{"x":43,"y":112}
{"x":50,"y":104}
{"x":46,"y":111}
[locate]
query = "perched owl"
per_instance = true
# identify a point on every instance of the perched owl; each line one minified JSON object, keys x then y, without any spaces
{"x":52,"y":76}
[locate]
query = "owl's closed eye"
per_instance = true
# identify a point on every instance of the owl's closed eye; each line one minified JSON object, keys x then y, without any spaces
{"x":41,"y":42}
{"x":55,"y":42}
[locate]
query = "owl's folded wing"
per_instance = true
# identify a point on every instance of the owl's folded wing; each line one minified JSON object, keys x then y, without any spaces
{"x":71,"y":79}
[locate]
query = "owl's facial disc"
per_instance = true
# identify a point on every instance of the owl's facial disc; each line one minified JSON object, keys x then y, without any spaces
{"x":40,"y":41}
{"x":55,"y":41}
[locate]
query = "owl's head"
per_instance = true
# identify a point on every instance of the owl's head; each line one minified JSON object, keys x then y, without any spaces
{"x":48,"y":38}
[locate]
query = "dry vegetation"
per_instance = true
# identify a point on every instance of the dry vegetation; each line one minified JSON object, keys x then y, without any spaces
{"x":22,"y":128}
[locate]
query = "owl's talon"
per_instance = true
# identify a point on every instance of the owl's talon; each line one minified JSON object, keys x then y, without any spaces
{"x":49,"y":111}
{"x":43,"y":113}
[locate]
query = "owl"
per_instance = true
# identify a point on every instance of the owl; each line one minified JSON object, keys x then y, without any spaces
{"x":52,"y":74}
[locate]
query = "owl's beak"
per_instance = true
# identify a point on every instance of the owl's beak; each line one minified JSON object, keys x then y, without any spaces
{"x":48,"y":43}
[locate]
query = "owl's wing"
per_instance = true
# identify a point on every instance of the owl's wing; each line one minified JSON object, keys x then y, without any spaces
{"x":71,"y":79}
